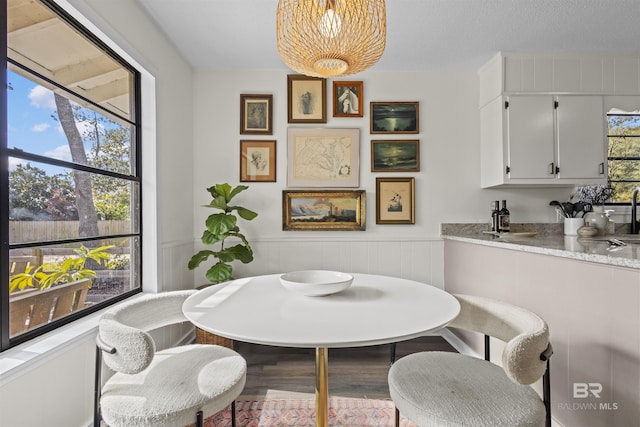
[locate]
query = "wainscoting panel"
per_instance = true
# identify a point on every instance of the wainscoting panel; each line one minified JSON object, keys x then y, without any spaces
{"x":175,"y":273}
{"x":416,"y":259}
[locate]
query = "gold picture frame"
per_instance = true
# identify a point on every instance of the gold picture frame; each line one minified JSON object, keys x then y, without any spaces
{"x":256,"y":116}
{"x":306,"y":99}
{"x":394,"y":117}
{"x":258,"y":161}
{"x":324,"y":210}
{"x":323,"y":157}
{"x":348,"y":99}
{"x":395,"y":201}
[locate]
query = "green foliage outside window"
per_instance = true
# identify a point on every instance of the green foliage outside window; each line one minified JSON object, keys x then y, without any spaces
{"x":624,"y":156}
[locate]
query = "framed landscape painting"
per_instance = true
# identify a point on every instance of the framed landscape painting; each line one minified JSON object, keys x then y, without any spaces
{"x":323,"y":210}
{"x":258,"y":161}
{"x":306,"y":99}
{"x":255,"y":114}
{"x":395,"y":201}
{"x":323,"y":157}
{"x":395,"y":155}
{"x":395,"y":117}
{"x":347,"y":99}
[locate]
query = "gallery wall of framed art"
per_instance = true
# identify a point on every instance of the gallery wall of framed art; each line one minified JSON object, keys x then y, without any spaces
{"x":323,"y":163}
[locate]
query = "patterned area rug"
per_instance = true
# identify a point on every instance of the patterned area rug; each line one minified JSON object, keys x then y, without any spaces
{"x":302,"y":413}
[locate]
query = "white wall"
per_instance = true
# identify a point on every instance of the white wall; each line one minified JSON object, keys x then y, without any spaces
{"x":58,"y":379}
{"x":447,"y":187}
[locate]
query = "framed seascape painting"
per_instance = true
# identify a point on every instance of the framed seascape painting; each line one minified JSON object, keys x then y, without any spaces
{"x":395,"y":155}
{"x":255,"y":114}
{"x":395,"y":201}
{"x":258,"y":161}
{"x":306,"y":99}
{"x":395,"y":117}
{"x":323,"y":157}
{"x":347,"y":99}
{"x":323,"y":210}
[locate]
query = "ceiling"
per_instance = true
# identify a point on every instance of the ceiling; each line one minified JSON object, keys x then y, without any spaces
{"x":429,"y":35}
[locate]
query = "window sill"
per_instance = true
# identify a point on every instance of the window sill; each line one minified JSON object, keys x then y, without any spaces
{"x":40,"y":350}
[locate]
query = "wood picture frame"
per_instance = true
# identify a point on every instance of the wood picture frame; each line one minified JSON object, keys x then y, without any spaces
{"x":401,"y":155}
{"x":324,"y":210}
{"x":395,"y":201}
{"x":306,"y":99}
{"x":348,"y":99}
{"x":394,"y":117}
{"x":323,"y":157}
{"x":258,"y":161}
{"x":256,"y":117}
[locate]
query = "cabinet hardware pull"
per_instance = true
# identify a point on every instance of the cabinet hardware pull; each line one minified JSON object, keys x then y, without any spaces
{"x":506,"y":104}
{"x":601,"y":168}
{"x":551,"y":168}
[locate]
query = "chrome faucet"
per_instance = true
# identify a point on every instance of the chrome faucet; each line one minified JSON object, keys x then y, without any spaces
{"x":635,"y":225}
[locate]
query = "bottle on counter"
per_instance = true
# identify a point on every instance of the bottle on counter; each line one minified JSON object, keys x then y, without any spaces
{"x":495,"y":213}
{"x":611,"y":224}
{"x":504,"y":220}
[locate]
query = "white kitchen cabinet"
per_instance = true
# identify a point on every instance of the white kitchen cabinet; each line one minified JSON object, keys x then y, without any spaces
{"x":543,"y":140}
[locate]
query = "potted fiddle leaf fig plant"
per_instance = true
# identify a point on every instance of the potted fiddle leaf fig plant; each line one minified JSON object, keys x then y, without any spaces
{"x":221,"y":226}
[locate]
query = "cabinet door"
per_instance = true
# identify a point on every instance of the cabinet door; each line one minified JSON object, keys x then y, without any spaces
{"x":531,"y":137}
{"x":581,"y":137}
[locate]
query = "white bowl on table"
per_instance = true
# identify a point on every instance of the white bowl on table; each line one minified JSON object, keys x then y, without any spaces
{"x":316,"y":283}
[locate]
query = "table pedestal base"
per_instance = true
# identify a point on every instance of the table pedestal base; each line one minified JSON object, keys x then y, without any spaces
{"x":322,"y":387}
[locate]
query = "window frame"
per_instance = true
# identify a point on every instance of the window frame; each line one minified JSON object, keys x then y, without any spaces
{"x":619,"y":158}
{"x":135,"y":121}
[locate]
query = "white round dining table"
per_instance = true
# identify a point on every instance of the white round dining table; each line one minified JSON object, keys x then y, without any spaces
{"x":373,"y":310}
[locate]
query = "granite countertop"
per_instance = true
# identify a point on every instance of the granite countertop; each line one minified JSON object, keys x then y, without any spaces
{"x":549,"y":239}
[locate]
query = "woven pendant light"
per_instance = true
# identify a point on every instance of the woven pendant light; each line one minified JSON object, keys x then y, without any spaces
{"x":328,"y":38}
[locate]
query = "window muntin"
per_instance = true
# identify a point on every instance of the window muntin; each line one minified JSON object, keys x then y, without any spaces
{"x":70,"y":164}
{"x":623,"y":155}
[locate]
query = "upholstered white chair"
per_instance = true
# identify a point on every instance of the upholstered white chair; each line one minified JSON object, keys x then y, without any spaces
{"x":173,"y":387}
{"x":451,"y":389}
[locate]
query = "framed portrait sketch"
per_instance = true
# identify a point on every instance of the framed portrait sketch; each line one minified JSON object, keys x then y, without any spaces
{"x":395,"y":155}
{"x":258,"y":161}
{"x":323,"y":210}
{"x":255,"y":114}
{"x":395,"y":117}
{"x":395,"y":201}
{"x":347,"y":99}
{"x":323,"y":157}
{"x":306,"y":99}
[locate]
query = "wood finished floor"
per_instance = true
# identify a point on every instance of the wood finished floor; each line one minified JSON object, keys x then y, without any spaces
{"x":279,"y":372}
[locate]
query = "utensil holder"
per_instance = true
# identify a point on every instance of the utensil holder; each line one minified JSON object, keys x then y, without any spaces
{"x":571,"y":226}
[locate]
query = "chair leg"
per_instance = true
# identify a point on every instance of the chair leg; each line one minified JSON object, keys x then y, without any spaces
{"x":199,"y":419}
{"x":392,"y":353}
{"x":546,"y":393}
{"x":97,"y":389}
{"x":233,"y":414}
{"x":397,"y":418}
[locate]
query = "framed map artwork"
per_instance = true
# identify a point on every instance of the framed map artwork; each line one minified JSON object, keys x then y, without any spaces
{"x":325,"y":157}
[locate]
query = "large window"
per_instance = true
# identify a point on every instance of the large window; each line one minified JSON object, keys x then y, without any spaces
{"x":70,"y":231}
{"x":624,"y":155}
